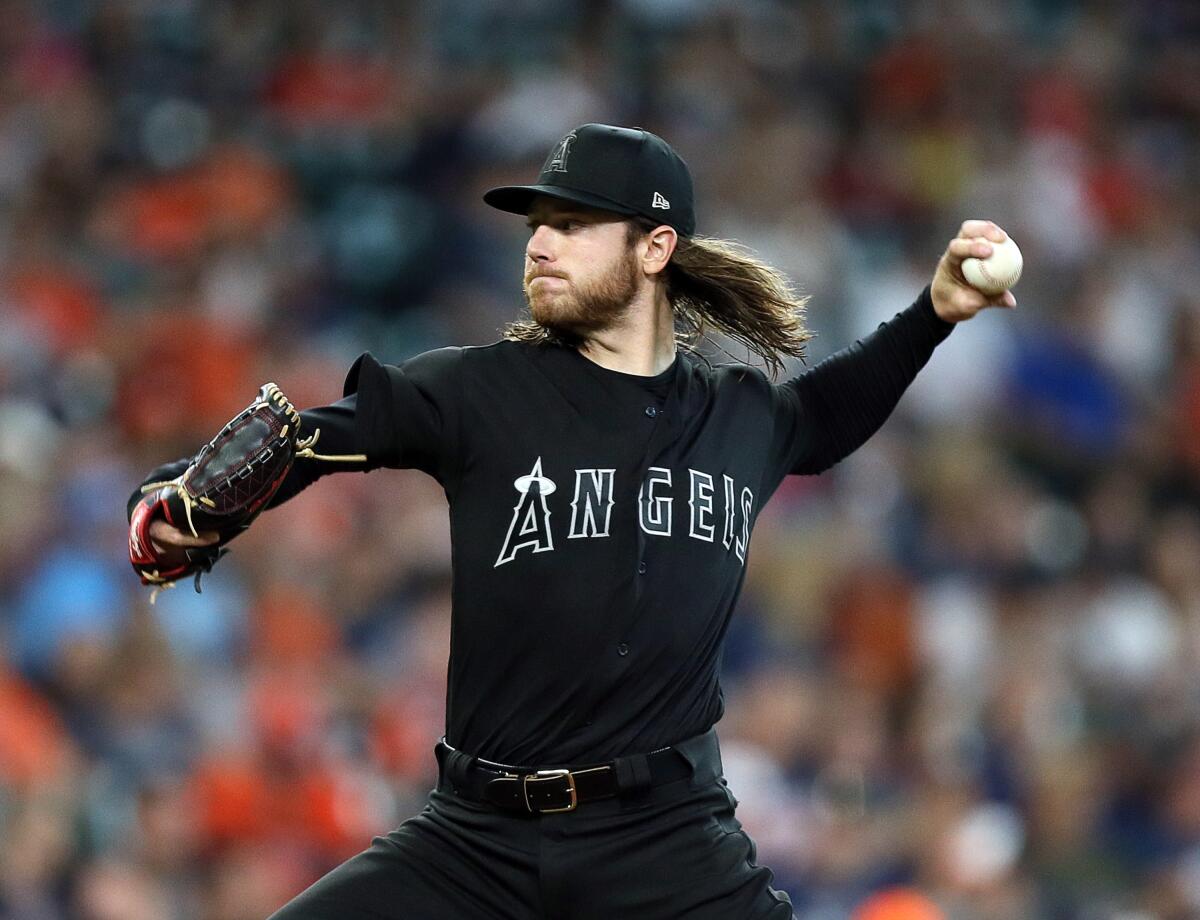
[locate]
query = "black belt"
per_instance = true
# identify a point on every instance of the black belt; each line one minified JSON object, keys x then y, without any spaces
{"x":537,"y":791}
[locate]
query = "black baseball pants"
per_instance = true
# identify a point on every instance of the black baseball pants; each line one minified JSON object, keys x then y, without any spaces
{"x":675,"y":851}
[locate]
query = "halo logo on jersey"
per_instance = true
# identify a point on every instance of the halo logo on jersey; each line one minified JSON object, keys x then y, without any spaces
{"x":558,"y":156}
{"x":530,"y":524}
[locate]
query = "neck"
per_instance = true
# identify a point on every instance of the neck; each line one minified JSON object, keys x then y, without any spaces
{"x":642,"y":341}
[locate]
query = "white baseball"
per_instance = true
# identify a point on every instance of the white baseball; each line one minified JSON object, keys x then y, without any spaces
{"x":998,"y":272}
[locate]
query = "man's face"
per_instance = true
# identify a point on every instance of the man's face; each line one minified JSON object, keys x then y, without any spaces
{"x":581,"y":272}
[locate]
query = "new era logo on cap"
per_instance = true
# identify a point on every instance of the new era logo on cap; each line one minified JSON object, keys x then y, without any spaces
{"x":629,"y":171}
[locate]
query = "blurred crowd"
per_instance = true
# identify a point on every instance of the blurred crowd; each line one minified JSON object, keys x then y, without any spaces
{"x":964,"y":679}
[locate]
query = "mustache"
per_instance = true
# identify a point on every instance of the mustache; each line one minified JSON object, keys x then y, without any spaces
{"x":543,"y":273}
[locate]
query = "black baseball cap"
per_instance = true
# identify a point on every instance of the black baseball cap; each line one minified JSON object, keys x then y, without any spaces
{"x":626,"y":170}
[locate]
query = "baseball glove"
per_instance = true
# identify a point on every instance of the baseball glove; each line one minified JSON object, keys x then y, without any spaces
{"x":224,"y":488}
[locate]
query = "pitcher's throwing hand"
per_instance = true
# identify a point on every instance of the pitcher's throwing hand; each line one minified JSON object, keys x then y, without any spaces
{"x":954,"y":298}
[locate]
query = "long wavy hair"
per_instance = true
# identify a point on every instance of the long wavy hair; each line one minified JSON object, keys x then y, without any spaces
{"x":715,"y":285}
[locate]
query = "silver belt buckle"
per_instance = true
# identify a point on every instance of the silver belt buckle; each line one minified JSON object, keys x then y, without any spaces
{"x":544,"y":775}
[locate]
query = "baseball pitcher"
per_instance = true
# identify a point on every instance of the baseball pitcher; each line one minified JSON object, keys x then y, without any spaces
{"x":603,"y":482}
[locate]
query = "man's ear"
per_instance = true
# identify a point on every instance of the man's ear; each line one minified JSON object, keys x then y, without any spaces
{"x":659,"y":245}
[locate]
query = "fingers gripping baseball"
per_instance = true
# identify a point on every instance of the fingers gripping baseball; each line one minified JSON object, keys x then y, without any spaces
{"x":975,"y":272}
{"x":971,"y":229}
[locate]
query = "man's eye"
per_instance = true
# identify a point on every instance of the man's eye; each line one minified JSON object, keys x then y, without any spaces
{"x":560,"y":225}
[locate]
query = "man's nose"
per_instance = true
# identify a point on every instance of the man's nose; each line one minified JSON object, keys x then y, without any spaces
{"x":540,"y":247}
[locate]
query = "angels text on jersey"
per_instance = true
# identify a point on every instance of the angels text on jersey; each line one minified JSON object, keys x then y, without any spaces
{"x":716,"y":510}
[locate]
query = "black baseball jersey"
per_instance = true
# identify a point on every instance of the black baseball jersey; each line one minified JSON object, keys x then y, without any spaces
{"x":601,"y":521}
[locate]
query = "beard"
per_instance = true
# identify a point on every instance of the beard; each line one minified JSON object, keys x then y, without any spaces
{"x":578,"y":310}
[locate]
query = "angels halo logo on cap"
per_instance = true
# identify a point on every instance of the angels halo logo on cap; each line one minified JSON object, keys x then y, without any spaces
{"x":628,"y":171}
{"x":558,"y":156}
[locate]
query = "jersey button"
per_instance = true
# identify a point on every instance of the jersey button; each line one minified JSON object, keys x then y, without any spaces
{"x":623,"y":649}
{"x":651,"y":411}
{"x":642,"y":568}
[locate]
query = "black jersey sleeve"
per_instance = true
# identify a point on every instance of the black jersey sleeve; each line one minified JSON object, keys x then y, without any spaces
{"x":407,"y":416}
{"x":826,"y":413}
{"x":338,"y":438}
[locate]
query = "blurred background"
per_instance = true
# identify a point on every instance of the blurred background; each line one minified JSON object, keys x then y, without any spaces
{"x":963,"y":681}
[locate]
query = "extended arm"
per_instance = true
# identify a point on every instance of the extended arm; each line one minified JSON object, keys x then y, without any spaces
{"x":842,"y":401}
{"x":336,"y":424}
{"x":395,"y":416}
{"x":832,"y":409}
{"x":163,"y":546}
{"x":186,"y":510}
